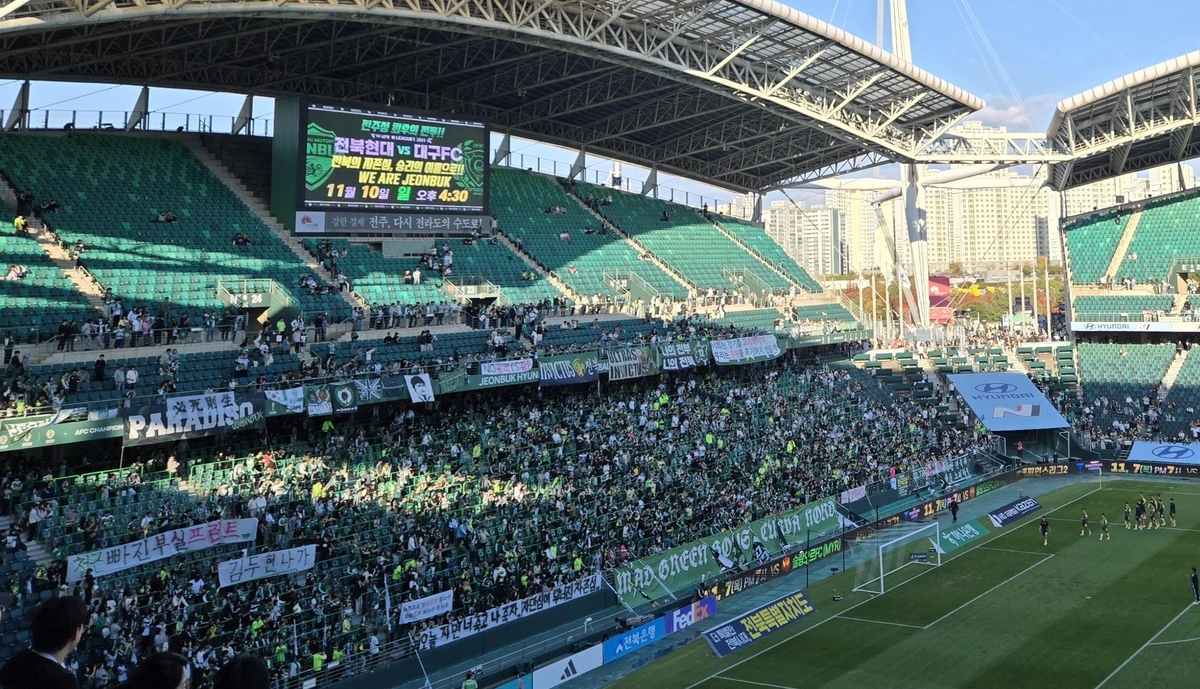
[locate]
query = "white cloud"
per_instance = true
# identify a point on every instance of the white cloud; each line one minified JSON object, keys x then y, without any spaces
{"x":1005,"y":111}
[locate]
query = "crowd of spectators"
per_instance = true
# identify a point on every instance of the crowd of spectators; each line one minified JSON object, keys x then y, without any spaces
{"x":495,"y":496}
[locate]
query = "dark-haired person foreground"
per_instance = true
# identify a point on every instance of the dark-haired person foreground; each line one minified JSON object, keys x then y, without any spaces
{"x":243,"y":672}
{"x":164,"y":670}
{"x":56,"y":628}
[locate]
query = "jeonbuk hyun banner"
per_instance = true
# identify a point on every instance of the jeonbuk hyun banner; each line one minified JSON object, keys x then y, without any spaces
{"x":1007,"y":401}
{"x":745,"y":350}
{"x":686,"y":566}
{"x":160,"y":547}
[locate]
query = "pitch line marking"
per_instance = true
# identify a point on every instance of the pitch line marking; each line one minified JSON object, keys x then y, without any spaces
{"x":894,"y":624}
{"x":1179,"y":641}
{"x":746,"y":681}
{"x":1012,"y":550}
{"x":1043,"y":561}
{"x":959,"y":552}
{"x":1135,"y":653}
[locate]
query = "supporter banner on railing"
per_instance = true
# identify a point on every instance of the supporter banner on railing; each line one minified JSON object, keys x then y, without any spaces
{"x":849,"y":496}
{"x":344,"y":397}
{"x":179,"y":419}
{"x":484,"y":382}
{"x":632,"y":362}
{"x":429,"y":606}
{"x":317,"y":400}
{"x":742,"y":581}
{"x":505,"y":368}
{"x":686,"y":566}
{"x":745,"y":350}
{"x":420,"y":388}
{"x":1007,"y":401}
{"x":752,"y":626}
{"x":283,"y":402}
{"x":568,"y":369}
{"x":679,"y":356}
{"x":472,"y":624}
{"x":34,"y":432}
{"x":450,"y":381}
{"x":160,"y":547}
{"x":273,"y":564}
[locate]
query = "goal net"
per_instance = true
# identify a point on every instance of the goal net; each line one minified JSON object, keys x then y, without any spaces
{"x":894,"y":550}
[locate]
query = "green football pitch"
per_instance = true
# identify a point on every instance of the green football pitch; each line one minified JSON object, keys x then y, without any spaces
{"x":1002,"y":612}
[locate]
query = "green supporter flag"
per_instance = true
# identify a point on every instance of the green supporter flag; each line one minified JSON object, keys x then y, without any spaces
{"x":683,"y":568}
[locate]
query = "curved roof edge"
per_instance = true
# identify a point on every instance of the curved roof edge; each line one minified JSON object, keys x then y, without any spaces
{"x":870,"y":50}
{"x":1142,"y":76}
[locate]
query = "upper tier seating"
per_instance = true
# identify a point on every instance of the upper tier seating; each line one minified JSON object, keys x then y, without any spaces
{"x":1166,"y":231}
{"x":520,"y":200}
{"x":758,"y":240}
{"x":33,"y":307}
{"x":687,"y":242}
{"x":1118,"y":371}
{"x":1091,"y":243}
{"x":111,"y":189}
{"x":1120,"y":307}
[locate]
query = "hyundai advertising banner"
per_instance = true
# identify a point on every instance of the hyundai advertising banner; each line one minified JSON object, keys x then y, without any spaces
{"x":1007,"y":401}
{"x":1167,"y":453}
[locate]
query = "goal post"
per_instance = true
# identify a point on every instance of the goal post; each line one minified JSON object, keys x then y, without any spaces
{"x":895,"y":550}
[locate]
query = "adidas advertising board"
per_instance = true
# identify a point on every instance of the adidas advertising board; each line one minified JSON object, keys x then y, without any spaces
{"x":568,"y":668}
{"x":1007,"y":401}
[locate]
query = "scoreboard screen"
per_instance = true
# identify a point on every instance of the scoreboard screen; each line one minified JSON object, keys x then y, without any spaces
{"x":396,"y":161}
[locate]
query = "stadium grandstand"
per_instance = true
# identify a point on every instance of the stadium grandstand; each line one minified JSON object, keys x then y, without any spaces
{"x":373,"y":403}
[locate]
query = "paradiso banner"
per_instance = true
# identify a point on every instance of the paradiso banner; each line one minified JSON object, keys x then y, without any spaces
{"x":745,"y":350}
{"x":568,"y":369}
{"x":160,"y":547}
{"x":193,"y":416}
{"x":273,"y":564}
{"x":680,"y":356}
{"x":684,"y":567}
{"x":469,"y":625}
{"x":34,"y":432}
{"x":631,"y":362}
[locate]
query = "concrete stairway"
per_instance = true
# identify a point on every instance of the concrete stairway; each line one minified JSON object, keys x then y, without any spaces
{"x":260,"y":209}
{"x":745,"y":247}
{"x":678,"y":277}
{"x":1123,"y":246}
{"x":1168,"y":381}
{"x":36,"y":550}
{"x":546,"y":275}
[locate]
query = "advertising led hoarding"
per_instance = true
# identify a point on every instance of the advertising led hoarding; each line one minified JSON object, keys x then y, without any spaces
{"x":372,"y":159}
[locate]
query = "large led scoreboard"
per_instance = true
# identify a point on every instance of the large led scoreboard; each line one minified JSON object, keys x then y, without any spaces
{"x":353,"y":169}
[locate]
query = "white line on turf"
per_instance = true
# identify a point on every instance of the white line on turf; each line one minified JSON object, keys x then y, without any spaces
{"x":1177,"y":641}
{"x":958,"y":553}
{"x":893,"y":624}
{"x":1039,"y":562}
{"x":746,"y":681}
{"x":1135,"y":653}
{"x":1012,"y":550}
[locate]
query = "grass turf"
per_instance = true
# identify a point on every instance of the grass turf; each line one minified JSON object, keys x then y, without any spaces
{"x":1003,"y":612}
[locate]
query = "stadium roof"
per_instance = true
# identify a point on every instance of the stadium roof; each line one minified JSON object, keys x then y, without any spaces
{"x":1139,"y":121}
{"x":745,"y":94}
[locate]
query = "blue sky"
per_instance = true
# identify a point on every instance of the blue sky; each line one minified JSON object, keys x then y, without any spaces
{"x":1044,"y":51}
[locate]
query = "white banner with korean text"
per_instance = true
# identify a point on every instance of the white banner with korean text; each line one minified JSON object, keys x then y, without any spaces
{"x":429,"y":606}
{"x":473,"y":624}
{"x":273,"y":564}
{"x":160,"y":547}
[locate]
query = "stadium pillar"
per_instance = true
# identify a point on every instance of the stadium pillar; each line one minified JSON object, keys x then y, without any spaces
{"x":918,"y":235}
{"x":505,"y":151}
{"x":141,"y":109}
{"x":651,"y":183}
{"x":245,"y":116}
{"x":758,"y":201}
{"x":19,"y":115}
{"x":580,"y":166}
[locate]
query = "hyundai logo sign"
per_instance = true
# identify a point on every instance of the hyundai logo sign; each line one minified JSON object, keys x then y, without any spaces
{"x":1173,"y":452}
{"x":995,"y":388}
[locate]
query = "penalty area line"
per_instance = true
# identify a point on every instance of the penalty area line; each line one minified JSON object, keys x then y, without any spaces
{"x":1145,"y":645}
{"x":1043,"y":561}
{"x":746,"y":681}
{"x":893,"y":624}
